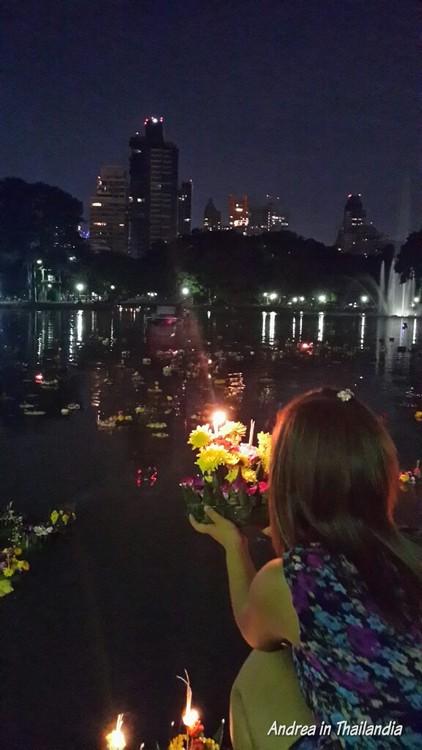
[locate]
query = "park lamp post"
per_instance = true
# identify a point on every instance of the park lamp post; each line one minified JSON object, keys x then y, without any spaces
{"x":185,"y":291}
{"x":79,"y":288}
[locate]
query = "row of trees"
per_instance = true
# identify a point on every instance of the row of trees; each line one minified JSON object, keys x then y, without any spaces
{"x":40,"y":222}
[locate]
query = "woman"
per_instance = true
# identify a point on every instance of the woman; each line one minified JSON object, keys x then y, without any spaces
{"x":345,"y":591}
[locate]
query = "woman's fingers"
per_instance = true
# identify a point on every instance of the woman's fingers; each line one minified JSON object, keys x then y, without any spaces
{"x":202,"y":528}
{"x":211,"y":513}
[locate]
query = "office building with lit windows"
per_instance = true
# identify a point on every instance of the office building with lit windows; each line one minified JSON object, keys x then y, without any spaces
{"x":184,"y":208}
{"x":212,"y":218}
{"x":238,"y":212}
{"x":108,"y":225}
{"x":269,"y":217}
{"x":153,"y":188}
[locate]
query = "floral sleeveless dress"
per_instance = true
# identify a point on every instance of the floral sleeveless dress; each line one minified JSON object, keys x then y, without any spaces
{"x":352,"y":665}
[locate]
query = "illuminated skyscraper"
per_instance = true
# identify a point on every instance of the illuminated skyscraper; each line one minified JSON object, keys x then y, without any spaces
{"x":153,"y":188}
{"x":238,"y":212}
{"x":108,"y":212}
{"x":184,"y":205}
{"x":212,"y":217}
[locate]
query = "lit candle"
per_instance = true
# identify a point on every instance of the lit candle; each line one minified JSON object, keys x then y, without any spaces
{"x":190,"y":717}
{"x":218,"y":419}
{"x":251,"y":432}
{"x":116,"y":740}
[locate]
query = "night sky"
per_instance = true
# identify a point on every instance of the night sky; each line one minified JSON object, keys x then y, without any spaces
{"x":306,"y":99}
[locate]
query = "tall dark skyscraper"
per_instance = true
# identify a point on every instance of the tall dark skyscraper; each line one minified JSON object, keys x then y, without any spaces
{"x":108,"y":212}
{"x":212,"y":217}
{"x":153,"y":191}
{"x":357,"y":235}
{"x":184,"y":203}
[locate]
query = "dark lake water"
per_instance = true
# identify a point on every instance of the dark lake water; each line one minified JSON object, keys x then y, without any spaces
{"x":110,"y":615}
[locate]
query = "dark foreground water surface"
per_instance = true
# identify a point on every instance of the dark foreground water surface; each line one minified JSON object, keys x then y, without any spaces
{"x":109,"y":615}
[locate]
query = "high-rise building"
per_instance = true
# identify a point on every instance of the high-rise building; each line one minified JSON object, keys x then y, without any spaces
{"x":267,"y":218}
{"x":153,"y":188}
{"x":108,"y":226}
{"x":238,"y":212}
{"x":357,"y":235}
{"x":184,"y":205}
{"x":212,"y":217}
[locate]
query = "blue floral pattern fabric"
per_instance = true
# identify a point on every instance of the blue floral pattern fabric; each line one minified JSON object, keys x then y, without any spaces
{"x":353,"y":666}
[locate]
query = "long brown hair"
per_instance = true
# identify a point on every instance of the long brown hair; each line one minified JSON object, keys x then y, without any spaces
{"x":334,"y":480}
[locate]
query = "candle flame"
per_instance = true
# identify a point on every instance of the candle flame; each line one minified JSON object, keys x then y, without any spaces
{"x":116,"y":740}
{"x":218,"y":419}
{"x":190,"y":717}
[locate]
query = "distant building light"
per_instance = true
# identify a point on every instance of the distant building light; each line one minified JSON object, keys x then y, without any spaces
{"x":112,"y":287}
{"x":39,"y":262}
{"x":96,"y":203}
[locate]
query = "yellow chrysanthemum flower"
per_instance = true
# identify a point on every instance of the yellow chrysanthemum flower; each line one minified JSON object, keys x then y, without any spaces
{"x":210,"y":458}
{"x":264,"y":449}
{"x":5,"y":587}
{"x":249,"y":475}
{"x":200,"y":437}
{"x":178,"y":742}
{"x":233,"y":430}
{"x":231,"y":475}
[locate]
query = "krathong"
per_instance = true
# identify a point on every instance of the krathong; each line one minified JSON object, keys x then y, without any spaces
{"x":233,"y":475}
{"x":18,"y":538}
{"x":193,"y":738}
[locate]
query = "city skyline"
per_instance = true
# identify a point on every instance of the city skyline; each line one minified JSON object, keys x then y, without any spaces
{"x":267,"y":101}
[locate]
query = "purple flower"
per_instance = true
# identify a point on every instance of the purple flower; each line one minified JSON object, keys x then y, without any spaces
{"x":363,"y":640}
{"x":303,"y":585}
{"x":314,"y":560}
{"x":350,"y":681}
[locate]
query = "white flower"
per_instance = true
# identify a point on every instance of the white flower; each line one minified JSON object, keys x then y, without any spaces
{"x":42,"y":530}
{"x":345,"y":395}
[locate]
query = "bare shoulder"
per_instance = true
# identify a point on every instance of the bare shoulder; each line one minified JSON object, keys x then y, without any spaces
{"x":270,"y":599}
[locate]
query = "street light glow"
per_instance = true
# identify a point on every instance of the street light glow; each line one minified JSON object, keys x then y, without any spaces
{"x":185,"y":291}
{"x":322,"y":298}
{"x":364,"y":298}
{"x":416,"y":299}
{"x":79,"y":287}
{"x":112,"y":287}
{"x":273,"y":295}
{"x":39,"y":262}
